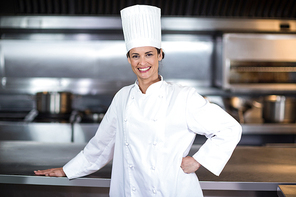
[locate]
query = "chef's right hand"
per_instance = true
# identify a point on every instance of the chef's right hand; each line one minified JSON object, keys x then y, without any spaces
{"x":56,"y":172}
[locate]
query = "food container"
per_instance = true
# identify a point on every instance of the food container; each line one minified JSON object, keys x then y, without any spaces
{"x":54,"y":102}
{"x":279,"y":109}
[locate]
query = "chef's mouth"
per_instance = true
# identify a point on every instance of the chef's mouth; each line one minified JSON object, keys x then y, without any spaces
{"x":144,"y":69}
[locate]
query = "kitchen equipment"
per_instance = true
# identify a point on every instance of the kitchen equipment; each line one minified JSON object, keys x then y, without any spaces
{"x":279,"y":109}
{"x":89,"y":116}
{"x":237,"y":106}
{"x":54,"y":102}
{"x":258,"y":62}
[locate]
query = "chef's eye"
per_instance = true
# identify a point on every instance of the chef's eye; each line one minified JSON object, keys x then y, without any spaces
{"x":149,"y":54}
{"x":135,"y":56}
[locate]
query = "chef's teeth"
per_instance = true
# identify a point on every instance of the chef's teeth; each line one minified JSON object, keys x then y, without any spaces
{"x":144,"y":69}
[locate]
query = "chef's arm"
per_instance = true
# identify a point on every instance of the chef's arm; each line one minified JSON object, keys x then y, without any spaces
{"x":221,"y":129}
{"x":96,"y":154}
{"x":217,"y":150}
{"x":98,"y":151}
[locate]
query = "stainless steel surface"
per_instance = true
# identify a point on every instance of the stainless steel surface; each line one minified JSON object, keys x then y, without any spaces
{"x":87,"y":65}
{"x":168,"y":23}
{"x":250,"y":168}
{"x":286,"y":190}
{"x":269,"y":129}
{"x":47,"y":132}
{"x":2,"y":66}
{"x":83,"y":132}
{"x":241,"y":25}
{"x":279,"y":109}
{"x":22,"y":158}
{"x":262,"y":88}
{"x":80,"y":86}
{"x":63,"y":22}
{"x":38,"y":132}
{"x":105,"y":182}
{"x":54,"y":102}
{"x":262,"y":49}
{"x":61,"y":181}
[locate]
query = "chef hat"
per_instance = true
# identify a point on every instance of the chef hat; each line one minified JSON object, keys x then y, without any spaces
{"x":141,"y":26}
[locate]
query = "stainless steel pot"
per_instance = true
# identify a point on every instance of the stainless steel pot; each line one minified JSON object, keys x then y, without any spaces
{"x":54,"y":102}
{"x":279,"y":109}
{"x":237,"y":106}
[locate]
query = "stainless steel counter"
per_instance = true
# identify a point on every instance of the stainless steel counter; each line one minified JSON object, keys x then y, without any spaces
{"x":83,"y":132}
{"x":249,"y":169}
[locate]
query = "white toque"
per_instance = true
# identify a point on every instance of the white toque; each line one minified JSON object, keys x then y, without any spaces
{"x":141,"y":26}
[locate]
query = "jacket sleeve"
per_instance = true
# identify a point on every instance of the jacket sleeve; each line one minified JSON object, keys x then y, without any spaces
{"x":223,"y":132}
{"x":98,"y":151}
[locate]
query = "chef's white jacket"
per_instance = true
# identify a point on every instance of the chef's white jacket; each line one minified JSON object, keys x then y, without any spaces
{"x":147,"y":135}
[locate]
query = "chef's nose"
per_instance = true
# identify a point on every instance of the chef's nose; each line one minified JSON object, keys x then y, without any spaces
{"x":143,"y":61}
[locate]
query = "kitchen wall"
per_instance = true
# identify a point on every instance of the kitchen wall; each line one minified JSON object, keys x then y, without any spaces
{"x":90,"y":66}
{"x":86,"y":55}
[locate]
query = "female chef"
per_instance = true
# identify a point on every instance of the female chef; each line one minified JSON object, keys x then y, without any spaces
{"x":150,"y":125}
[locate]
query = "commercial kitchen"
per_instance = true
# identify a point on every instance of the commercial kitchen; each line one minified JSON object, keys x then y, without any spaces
{"x":62,"y":61}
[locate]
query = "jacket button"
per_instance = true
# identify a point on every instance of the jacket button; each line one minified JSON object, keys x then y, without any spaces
{"x":153,"y":167}
{"x":154,"y":143}
{"x":134,"y":189}
{"x":125,"y":120}
{"x":126,"y":143}
{"x":131,"y":166}
{"x":154,"y":191}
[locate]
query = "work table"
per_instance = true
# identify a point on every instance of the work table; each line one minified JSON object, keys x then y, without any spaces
{"x":250,"y":168}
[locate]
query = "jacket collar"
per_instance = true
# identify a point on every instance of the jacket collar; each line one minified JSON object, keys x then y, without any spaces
{"x":152,"y":88}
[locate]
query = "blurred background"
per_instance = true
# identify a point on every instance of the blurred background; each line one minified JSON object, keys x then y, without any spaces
{"x":62,"y":61}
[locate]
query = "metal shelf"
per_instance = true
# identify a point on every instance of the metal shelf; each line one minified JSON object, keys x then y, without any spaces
{"x":269,"y":128}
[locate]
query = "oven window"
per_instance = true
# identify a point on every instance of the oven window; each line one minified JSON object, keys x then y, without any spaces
{"x":247,"y":72}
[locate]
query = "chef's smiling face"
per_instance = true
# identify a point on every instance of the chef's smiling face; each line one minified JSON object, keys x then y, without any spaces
{"x":144,"y":62}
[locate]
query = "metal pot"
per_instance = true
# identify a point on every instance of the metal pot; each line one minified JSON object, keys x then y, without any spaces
{"x":54,"y":102}
{"x":279,"y":109}
{"x":237,"y":106}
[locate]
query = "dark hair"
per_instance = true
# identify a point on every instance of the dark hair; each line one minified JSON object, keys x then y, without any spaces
{"x":157,"y":49}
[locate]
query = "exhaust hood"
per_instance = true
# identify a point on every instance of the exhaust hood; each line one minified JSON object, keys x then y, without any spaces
{"x":267,"y":9}
{"x":178,"y":15}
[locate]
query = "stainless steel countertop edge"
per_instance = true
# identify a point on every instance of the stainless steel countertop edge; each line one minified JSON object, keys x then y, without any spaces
{"x":243,"y":186}
{"x":54,"y":181}
{"x":101,"y":182}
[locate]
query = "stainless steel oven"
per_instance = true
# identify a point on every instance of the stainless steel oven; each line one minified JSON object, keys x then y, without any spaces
{"x":259,"y":62}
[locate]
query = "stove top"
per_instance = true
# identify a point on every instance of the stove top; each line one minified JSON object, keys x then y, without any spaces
{"x":35,"y":116}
